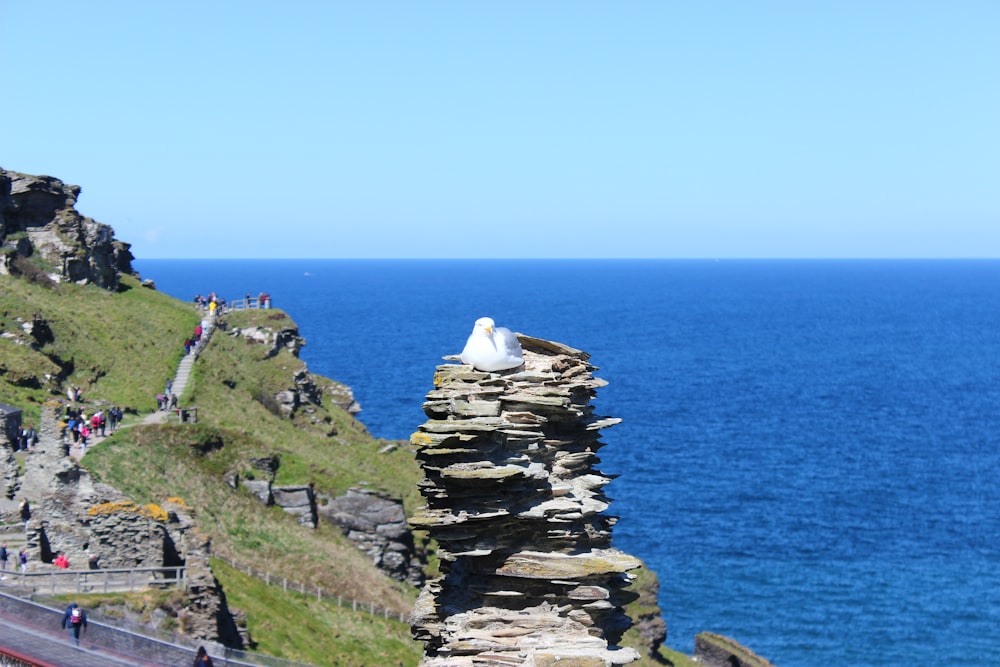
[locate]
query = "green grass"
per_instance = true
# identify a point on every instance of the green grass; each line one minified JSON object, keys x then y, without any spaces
{"x":119,"y":348}
{"x":154,"y":463}
{"x":298,"y":627}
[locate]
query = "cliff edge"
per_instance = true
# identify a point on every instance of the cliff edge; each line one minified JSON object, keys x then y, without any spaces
{"x":44,"y":237}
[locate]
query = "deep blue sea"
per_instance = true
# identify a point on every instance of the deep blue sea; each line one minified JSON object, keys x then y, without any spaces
{"x":810,"y":451}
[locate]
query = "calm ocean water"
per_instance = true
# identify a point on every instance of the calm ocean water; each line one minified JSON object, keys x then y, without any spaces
{"x":810,"y":452}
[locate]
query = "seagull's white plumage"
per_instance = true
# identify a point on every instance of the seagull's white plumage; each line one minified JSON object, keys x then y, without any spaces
{"x":492,"y":348}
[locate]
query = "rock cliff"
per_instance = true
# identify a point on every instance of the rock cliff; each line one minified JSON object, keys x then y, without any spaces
{"x":42,"y":234}
{"x":517,"y":507}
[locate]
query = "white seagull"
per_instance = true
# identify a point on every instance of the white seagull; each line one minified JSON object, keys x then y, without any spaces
{"x":492,"y":348}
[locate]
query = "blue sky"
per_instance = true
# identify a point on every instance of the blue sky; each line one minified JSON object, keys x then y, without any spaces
{"x":516,"y":129}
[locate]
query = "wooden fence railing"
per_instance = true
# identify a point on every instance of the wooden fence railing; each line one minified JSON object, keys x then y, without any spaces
{"x":183,"y":415}
{"x":132,"y":579}
{"x":368,"y":607}
{"x":100,"y":580}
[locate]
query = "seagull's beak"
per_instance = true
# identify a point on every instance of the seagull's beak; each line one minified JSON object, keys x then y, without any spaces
{"x":489,"y":330}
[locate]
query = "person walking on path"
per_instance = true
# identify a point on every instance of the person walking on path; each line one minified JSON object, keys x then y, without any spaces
{"x":25,"y":511}
{"x":75,"y":619}
{"x":202,"y":658}
{"x":4,"y":556}
{"x":22,"y":561}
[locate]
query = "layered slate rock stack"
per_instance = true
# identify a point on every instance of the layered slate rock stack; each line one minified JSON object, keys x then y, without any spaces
{"x":516,"y":505}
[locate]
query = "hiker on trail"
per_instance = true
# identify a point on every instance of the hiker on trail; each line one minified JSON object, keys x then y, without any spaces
{"x":22,"y":560}
{"x":4,"y":555}
{"x":161,"y":402}
{"x":61,"y":561}
{"x":25,"y":437}
{"x":202,"y":659}
{"x":75,"y":619}
{"x":25,"y":511}
{"x":187,"y":346}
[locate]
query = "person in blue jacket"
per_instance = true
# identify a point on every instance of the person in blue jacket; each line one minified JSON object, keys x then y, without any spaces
{"x":75,"y":619}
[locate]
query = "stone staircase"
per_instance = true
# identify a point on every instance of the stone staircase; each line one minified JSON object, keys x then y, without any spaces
{"x":183,"y":373}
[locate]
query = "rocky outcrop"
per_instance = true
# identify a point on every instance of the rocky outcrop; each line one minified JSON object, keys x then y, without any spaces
{"x":376,"y":524}
{"x":517,"y":507}
{"x":299,"y":501}
{"x":38,"y":219}
{"x":304,"y":392}
{"x":714,"y":650}
{"x":274,"y":339}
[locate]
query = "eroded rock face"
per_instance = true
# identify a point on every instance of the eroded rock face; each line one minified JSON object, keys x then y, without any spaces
{"x":516,"y":505}
{"x":38,"y":215}
{"x":376,"y":524}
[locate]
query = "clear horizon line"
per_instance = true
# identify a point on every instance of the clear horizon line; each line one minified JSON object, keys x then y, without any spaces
{"x":578,"y":259}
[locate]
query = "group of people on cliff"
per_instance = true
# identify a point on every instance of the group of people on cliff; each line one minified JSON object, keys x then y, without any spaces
{"x":166,"y":401}
{"x":216,"y":305}
{"x":79,"y":427}
{"x":5,"y":554}
{"x":191,"y":343}
{"x":26,"y":438}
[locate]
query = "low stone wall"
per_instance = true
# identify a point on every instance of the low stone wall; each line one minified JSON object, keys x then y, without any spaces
{"x":34,"y":614}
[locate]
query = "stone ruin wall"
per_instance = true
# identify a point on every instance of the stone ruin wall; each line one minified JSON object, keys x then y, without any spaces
{"x":73,"y":514}
{"x":514,"y":501}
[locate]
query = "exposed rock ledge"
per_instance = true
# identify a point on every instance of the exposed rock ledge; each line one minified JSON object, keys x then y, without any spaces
{"x":530,"y":577}
{"x":37,"y":217}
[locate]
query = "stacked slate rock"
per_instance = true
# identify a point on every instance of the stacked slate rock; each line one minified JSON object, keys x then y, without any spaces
{"x":516,"y":507}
